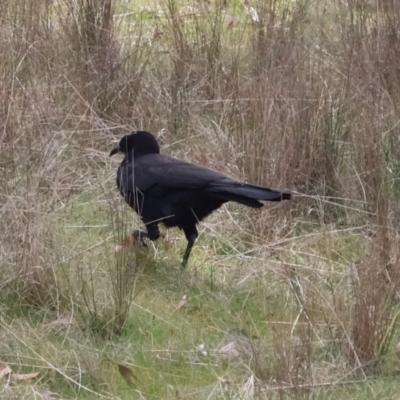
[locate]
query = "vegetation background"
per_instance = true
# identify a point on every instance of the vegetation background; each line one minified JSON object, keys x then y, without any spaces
{"x":297,"y":301}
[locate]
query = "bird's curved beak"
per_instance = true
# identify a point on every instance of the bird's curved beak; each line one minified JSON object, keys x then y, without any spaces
{"x":115,"y":150}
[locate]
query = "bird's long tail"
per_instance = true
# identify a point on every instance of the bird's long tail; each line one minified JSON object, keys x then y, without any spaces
{"x":248,"y":195}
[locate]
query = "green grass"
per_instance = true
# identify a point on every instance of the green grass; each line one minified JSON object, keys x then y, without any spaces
{"x":270,"y":299}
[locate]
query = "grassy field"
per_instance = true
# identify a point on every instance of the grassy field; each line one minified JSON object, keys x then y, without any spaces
{"x":297,"y":300}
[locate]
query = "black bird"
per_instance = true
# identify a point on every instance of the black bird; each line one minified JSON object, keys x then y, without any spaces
{"x":176,"y":193}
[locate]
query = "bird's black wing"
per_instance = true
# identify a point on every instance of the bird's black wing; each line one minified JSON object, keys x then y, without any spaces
{"x":160,"y":173}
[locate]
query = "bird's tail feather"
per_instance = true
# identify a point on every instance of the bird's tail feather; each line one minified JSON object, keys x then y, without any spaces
{"x":248,"y":195}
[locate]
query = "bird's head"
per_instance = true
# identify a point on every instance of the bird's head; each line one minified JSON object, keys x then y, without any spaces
{"x":139,"y":143}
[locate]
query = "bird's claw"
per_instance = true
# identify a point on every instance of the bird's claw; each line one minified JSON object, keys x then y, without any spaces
{"x":140,"y":235}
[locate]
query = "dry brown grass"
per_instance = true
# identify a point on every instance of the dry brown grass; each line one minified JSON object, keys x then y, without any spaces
{"x":306,"y":98}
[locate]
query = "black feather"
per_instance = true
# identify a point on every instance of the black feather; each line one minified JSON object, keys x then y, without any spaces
{"x":163,"y":189}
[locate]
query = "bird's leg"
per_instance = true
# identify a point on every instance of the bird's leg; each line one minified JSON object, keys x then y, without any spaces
{"x":191,"y":236}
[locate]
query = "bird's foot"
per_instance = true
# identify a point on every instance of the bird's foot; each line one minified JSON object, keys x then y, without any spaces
{"x":140,"y":235}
